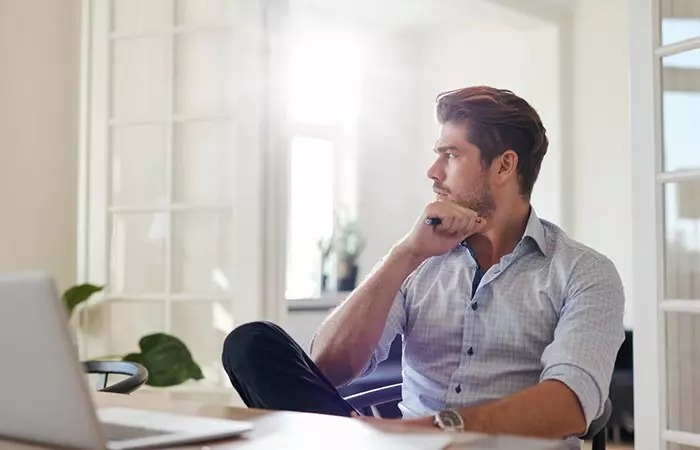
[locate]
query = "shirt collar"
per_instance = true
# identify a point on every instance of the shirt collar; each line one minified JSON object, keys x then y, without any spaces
{"x":535,"y":231}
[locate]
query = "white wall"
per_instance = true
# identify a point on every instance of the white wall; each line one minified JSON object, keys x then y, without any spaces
{"x":302,"y":325}
{"x":601,"y":145}
{"x":391,"y":179}
{"x":39,"y":54}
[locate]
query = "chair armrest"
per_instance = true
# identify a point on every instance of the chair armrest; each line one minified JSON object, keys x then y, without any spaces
{"x":374,"y":397}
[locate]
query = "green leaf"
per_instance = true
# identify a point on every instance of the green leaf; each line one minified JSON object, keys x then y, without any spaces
{"x":79,"y":294}
{"x":167,"y":359}
{"x":133,"y":357}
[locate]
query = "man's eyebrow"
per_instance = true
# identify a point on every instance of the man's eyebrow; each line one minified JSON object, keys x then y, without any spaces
{"x":445,"y":148}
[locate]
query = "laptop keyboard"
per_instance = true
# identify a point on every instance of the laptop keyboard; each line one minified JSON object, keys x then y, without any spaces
{"x":116,"y":432}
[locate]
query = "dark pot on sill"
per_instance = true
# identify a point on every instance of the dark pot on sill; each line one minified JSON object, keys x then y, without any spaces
{"x":347,"y":275}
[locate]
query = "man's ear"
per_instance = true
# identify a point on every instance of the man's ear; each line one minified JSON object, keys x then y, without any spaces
{"x":509,"y":162}
{"x":506,"y":165}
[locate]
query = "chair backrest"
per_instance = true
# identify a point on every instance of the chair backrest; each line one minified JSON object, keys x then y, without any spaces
{"x":136,"y":373}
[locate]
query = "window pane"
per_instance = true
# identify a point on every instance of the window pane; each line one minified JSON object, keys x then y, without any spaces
{"x":683,"y":371}
{"x":137,"y":16}
{"x":202,"y":73}
{"x":680,"y":20}
{"x":128,"y":322}
{"x":202,"y":253}
{"x":138,"y":253}
{"x":684,"y":60}
{"x":203,"y":326}
{"x":203,"y":163}
{"x":681,"y":109}
{"x":200,"y":13}
{"x":139,"y":84}
{"x":138,"y":165}
{"x":682,"y":244}
{"x":311,"y":214}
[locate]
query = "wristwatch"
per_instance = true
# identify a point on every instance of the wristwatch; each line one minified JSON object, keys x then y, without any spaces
{"x":449,"y":420}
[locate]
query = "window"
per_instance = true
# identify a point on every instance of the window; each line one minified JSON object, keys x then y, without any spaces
{"x":665,"y":104}
{"x":311,"y":214}
{"x":326,"y":67}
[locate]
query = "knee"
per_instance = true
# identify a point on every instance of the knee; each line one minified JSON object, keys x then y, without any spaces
{"x":245,"y":341}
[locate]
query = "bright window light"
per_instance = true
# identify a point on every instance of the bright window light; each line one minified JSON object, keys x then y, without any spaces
{"x":326,"y":68}
{"x":674,"y":29}
{"x":311,"y":214}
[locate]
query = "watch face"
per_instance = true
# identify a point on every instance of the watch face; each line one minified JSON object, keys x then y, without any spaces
{"x":451,"y":419}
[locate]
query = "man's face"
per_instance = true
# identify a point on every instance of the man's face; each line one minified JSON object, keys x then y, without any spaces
{"x":458,"y":174}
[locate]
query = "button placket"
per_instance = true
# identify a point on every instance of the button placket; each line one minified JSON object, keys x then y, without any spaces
{"x":455,"y":386}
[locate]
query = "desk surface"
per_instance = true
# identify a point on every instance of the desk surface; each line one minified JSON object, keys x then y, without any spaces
{"x":292,"y":431}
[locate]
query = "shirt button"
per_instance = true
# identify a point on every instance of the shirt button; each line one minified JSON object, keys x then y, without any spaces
{"x":475,"y":306}
{"x":458,"y":389}
{"x":470,"y":352}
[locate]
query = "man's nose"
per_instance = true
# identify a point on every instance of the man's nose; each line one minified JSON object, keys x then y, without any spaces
{"x":435,"y":171}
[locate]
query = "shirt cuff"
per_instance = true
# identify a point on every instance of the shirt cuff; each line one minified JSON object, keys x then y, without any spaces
{"x":369,"y":367}
{"x":582,"y":384}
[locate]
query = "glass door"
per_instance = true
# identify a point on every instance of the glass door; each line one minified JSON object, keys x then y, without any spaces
{"x":665,"y":68}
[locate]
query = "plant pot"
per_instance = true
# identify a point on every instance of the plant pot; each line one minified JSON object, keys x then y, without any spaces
{"x":347,"y":275}
{"x":324,"y":282}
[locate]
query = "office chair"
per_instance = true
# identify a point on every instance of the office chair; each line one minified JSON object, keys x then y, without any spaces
{"x":137,"y":375}
{"x":370,"y":399}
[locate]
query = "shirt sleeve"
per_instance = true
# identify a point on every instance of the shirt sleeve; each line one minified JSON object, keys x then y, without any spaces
{"x":588,"y":335}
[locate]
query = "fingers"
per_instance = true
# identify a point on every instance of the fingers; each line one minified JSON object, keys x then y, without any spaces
{"x":455,"y":220}
{"x":448,"y":224}
{"x":458,"y":225}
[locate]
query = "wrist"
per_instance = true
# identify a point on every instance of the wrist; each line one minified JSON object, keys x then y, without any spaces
{"x":403,"y":252}
{"x":449,"y":420}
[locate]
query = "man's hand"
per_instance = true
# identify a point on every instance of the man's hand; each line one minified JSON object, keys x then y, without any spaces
{"x":457,"y":223}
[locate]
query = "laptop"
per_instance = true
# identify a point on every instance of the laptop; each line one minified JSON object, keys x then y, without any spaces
{"x":44,"y":394}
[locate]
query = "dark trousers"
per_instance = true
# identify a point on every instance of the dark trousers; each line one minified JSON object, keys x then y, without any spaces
{"x":271,"y":371}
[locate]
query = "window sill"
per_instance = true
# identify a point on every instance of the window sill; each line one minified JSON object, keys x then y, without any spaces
{"x":326,"y":302}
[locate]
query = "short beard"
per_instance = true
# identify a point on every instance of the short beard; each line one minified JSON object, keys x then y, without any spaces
{"x":480,"y":201}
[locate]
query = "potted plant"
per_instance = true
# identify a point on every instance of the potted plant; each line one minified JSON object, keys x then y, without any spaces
{"x":167,"y":359}
{"x":325,"y":246}
{"x":348,"y":244}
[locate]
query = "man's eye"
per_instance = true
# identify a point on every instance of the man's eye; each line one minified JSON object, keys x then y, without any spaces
{"x":450,"y":155}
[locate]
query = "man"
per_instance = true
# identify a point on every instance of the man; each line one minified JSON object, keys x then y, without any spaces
{"x":509,"y":326}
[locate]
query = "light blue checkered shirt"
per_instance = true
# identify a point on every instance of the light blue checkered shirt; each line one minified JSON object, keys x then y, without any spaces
{"x":552,"y":309}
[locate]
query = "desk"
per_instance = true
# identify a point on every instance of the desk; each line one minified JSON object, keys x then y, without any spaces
{"x":303,"y":431}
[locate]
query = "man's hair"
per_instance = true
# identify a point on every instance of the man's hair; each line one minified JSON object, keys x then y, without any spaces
{"x":498,"y":120}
